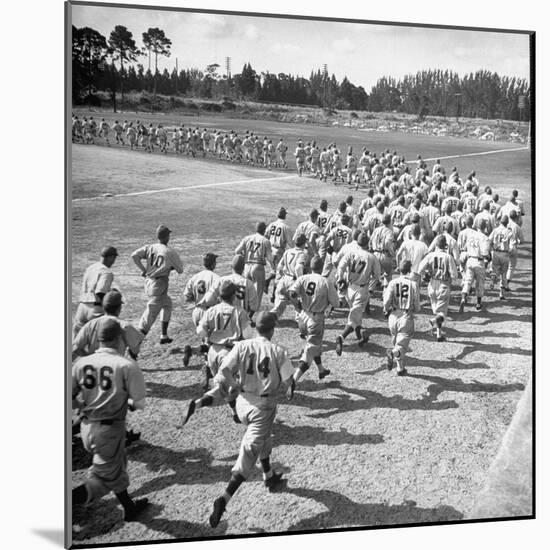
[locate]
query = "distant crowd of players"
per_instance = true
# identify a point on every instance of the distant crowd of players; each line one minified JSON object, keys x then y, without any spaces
{"x":433,"y":228}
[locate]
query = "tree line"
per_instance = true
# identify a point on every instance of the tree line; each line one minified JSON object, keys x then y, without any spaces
{"x":111,"y":64}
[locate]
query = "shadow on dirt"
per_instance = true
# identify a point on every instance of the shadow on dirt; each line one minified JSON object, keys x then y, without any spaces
{"x":342,"y":511}
{"x":311,"y":436}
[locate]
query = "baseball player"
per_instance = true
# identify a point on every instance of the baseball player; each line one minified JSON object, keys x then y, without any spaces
{"x":502,"y":241}
{"x":401,"y":302}
{"x":255,"y":369}
{"x":256,"y":250}
{"x":312,"y":295}
{"x":292,"y":265}
{"x":442,"y":269}
{"x":195,"y":291}
{"x":105,"y":386}
{"x":87,"y":342}
{"x":517,"y":240}
{"x":300,"y":155}
{"x":324,"y":216}
{"x":310,"y":229}
{"x":97,"y":281}
{"x":278,"y":234}
{"x":221,"y":327}
{"x":382,"y":245}
{"x":336,"y":239}
{"x":281,"y":153}
{"x":160,"y":260}
{"x":478,"y":251}
{"x":355,"y":271}
{"x":414,"y":251}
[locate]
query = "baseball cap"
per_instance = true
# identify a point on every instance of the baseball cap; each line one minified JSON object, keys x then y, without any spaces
{"x":363,"y":240}
{"x":237,"y":263}
{"x":323,"y":204}
{"x":316,"y":263}
{"x":266,"y":320}
{"x":405,"y":266}
{"x":108,"y":329}
{"x":260,"y":227}
{"x":109,"y":251}
{"x":163,"y":231}
{"x":441,"y":241}
{"x":386,"y":220}
{"x":112,"y":299}
{"x":301,"y":240}
{"x":209,"y":258}
{"x":282,"y":212}
{"x":227,"y":290}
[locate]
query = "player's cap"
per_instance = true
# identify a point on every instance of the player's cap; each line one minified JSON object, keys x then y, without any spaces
{"x":227,"y":290}
{"x":108,"y":329}
{"x":108,"y":251}
{"x":209,"y":258}
{"x":504,"y":220}
{"x":265,"y":321}
{"x":405,"y":266}
{"x":349,"y":199}
{"x":415,"y":217}
{"x":316,"y":264}
{"x":345,"y":219}
{"x":441,"y":241}
{"x":112,"y":299}
{"x":386,"y":220}
{"x":282,"y":212}
{"x":301,"y":240}
{"x":323,"y":204}
{"x":237,"y":263}
{"x":163,"y":231}
{"x":363,"y":240}
{"x":260,"y":227}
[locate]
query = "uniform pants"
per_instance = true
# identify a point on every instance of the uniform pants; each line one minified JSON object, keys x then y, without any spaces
{"x":256,"y":273}
{"x":281,"y":295}
{"x":257,"y":440}
{"x":216,"y":353}
{"x":401,"y":330}
{"x":475,"y":271}
{"x":197,"y":315}
{"x":439,"y":293}
{"x":313,"y":326}
{"x":85,"y":312}
{"x":501,"y":265}
{"x":358,"y":298}
{"x":156,"y":304}
{"x":108,"y":447}
{"x":512,"y":264}
{"x":386,"y":266}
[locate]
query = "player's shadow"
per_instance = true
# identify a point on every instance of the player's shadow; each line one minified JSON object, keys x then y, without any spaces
{"x":439,"y":385}
{"x":488,"y":348}
{"x":311,"y":436}
{"x":100,"y":517}
{"x":183,"y":467}
{"x":340,"y":403}
{"x":176,"y":393}
{"x":341,"y":511}
{"x":178,"y":529}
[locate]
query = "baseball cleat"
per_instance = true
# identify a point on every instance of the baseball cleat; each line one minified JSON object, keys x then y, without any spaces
{"x":364,"y":338}
{"x":217,"y":512}
{"x":166,"y":340}
{"x":502,"y":297}
{"x":189,"y":413}
{"x":478,"y":307}
{"x":358,"y":334}
{"x":324,"y":374}
{"x":275,"y":481}
{"x":402,"y":372}
{"x":461,"y":307}
{"x":139,"y":505}
{"x":441,"y":338}
{"x":236,"y":418}
{"x":389,"y":360}
{"x":132,"y":436}
{"x":339,"y":345}
{"x":187,"y":352}
{"x":303,"y":335}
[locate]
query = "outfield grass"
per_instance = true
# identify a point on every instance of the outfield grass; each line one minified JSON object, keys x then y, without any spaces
{"x":361,"y":448}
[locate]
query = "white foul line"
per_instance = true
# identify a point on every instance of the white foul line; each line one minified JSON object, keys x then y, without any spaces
{"x":475,"y":154}
{"x":154,"y":191}
{"x":255,"y":180}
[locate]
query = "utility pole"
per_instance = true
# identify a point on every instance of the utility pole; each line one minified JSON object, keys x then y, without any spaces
{"x":228,"y":74}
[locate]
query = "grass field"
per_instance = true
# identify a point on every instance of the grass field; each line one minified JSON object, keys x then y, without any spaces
{"x":361,"y":448}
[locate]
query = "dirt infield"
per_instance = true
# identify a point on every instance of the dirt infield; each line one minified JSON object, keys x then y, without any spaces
{"x":361,"y":448}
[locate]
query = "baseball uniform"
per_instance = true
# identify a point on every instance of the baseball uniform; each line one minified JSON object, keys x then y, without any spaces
{"x":278,"y":234}
{"x":292,"y":265}
{"x":442,"y":268}
{"x":196,"y":289}
{"x":245,"y":295}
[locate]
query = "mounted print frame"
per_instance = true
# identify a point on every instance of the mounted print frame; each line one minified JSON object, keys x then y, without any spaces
{"x":300,"y":282}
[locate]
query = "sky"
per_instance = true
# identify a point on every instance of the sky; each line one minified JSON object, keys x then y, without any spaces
{"x":362,"y":52}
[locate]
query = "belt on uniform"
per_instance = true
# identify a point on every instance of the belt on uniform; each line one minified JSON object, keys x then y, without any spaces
{"x":476,"y":257}
{"x":102,"y":422}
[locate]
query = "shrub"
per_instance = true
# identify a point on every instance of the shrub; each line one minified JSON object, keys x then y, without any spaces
{"x":92,"y":100}
{"x":353,"y":114}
